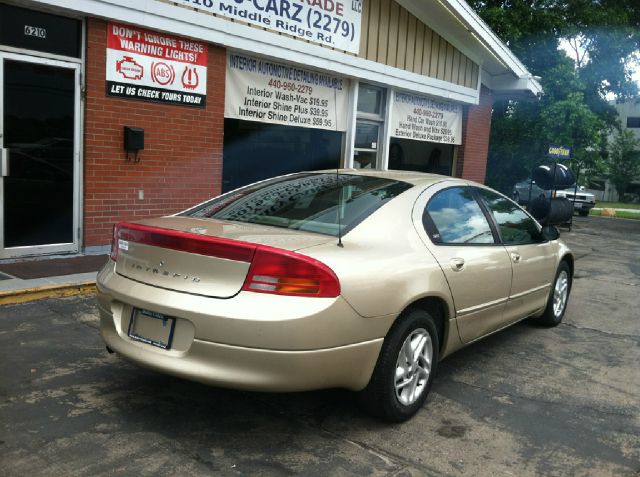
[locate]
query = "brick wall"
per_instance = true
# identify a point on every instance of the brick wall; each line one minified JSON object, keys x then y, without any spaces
{"x":476,"y":125}
{"x":181,"y":164}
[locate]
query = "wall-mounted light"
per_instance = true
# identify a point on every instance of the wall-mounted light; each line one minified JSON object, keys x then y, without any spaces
{"x":133,"y":142}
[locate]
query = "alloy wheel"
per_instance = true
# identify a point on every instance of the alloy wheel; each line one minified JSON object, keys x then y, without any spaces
{"x":413,"y":366}
{"x":560,"y":294}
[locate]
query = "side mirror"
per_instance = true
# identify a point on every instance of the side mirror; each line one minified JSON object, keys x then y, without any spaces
{"x":550,"y":232}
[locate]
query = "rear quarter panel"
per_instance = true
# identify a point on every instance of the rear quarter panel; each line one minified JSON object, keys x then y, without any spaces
{"x":383,"y":266}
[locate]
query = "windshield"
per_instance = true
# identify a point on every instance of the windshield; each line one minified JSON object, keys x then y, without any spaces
{"x":322,"y":203}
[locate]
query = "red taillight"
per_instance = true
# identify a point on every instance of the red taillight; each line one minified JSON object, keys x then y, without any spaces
{"x":287,"y":273}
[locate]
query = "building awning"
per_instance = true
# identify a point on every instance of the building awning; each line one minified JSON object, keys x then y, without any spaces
{"x":502,"y":71}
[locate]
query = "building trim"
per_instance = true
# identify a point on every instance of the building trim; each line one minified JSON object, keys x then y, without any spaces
{"x":180,"y":21}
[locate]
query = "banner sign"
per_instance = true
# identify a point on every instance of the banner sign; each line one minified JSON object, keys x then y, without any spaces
{"x":559,"y":152}
{"x":268,"y":92}
{"x":334,"y":23}
{"x":155,"y":66}
{"x":426,"y":119}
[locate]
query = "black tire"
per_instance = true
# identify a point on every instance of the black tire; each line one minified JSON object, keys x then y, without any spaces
{"x":583,"y":213}
{"x":380,"y":398}
{"x":552,"y":316}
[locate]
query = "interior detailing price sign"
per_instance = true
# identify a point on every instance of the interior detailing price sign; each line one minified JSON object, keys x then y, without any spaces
{"x":426,"y":119}
{"x":334,"y":23}
{"x":154,"y":66}
{"x":263,"y":91}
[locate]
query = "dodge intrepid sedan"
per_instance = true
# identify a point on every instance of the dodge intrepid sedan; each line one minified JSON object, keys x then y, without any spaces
{"x":359,"y":280}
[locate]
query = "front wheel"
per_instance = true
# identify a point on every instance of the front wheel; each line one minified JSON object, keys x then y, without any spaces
{"x":404,"y":372}
{"x":558,"y":298}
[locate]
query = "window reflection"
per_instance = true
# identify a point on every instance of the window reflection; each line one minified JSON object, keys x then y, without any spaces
{"x":516,"y":227}
{"x":458,"y":217}
{"x":370,"y":99}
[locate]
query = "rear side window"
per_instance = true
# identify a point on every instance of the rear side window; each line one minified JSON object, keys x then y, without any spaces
{"x":515,"y":226}
{"x":313,"y":202}
{"x":457,"y":218}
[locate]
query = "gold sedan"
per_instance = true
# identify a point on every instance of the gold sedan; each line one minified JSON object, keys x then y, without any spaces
{"x":360,"y":280}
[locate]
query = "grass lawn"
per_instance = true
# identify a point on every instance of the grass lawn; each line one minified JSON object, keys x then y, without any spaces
{"x":619,"y":214}
{"x":617,"y":205}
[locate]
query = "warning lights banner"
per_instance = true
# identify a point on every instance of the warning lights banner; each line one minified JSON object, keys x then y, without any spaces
{"x":152,"y":66}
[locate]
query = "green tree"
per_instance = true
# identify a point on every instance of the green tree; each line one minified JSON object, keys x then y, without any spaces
{"x":570,"y":122}
{"x":624,"y":160}
{"x":573,"y":112}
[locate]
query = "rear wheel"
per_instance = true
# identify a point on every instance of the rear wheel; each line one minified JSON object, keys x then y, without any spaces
{"x":558,"y":298}
{"x":404,"y":372}
{"x":584,"y":213}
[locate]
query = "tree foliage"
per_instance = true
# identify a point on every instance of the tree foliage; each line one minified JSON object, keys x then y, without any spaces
{"x":624,"y":160}
{"x":573,"y":112}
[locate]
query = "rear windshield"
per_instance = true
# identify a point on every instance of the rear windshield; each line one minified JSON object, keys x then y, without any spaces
{"x":320,"y":203}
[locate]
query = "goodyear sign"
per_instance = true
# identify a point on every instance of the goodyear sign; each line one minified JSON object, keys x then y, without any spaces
{"x":559,"y":152}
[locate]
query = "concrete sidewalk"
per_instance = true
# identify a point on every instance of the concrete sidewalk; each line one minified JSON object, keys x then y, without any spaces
{"x":17,"y":290}
{"x":636,"y":211}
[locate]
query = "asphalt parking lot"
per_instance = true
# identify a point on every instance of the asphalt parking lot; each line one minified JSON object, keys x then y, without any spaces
{"x":526,"y":401}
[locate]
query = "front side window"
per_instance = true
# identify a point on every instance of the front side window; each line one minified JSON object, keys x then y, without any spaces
{"x":515,"y":226}
{"x":457,"y":218}
{"x":322,"y":203}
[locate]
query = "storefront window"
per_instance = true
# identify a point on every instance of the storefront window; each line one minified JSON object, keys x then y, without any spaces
{"x":367,"y":135}
{"x":369,"y":122}
{"x":255,"y":151}
{"x":421,"y":156}
{"x":371,"y":99}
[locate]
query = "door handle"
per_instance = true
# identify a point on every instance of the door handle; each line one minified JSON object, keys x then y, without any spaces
{"x":457,"y":264}
{"x":5,"y":162}
{"x":515,"y":257}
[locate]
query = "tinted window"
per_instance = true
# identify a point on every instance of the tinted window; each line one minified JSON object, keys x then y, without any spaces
{"x":370,"y":99}
{"x":515,"y":226}
{"x":458,"y":218}
{"x":309,"y":202}
{"x":633,"y":122}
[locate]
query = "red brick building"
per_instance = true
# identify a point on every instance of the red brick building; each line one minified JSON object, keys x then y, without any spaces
{"x":115,"y":112}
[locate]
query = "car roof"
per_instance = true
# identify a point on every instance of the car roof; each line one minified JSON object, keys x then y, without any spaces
{"x":415,"y":178}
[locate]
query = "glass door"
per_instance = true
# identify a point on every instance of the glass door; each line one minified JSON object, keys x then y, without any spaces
{"x":39,"y":129}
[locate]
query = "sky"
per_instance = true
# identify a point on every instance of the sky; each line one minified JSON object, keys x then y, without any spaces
{"x":636,"y":75}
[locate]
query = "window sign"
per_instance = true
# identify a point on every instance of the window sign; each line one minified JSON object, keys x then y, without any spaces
{"x":263,"y":91}
{"x":426,"y":119}
{"x":155,"y":66}
{"x":334,"y":23}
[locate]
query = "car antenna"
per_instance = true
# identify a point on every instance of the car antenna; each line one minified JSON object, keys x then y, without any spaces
{"x":339,"y":207}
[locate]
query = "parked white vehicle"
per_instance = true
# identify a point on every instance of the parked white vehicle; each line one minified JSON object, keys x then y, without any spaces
{"x":583,"y":203}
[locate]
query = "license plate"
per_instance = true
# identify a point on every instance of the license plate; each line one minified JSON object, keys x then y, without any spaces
{"x":152,"y":328}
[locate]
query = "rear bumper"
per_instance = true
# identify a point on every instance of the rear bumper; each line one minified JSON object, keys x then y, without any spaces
{"x":583,"y":206}
{"x":252,"y":369}
{"x":253,"y":341}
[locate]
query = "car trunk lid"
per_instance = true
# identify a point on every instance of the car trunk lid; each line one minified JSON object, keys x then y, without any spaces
{"x":198,"y":256}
